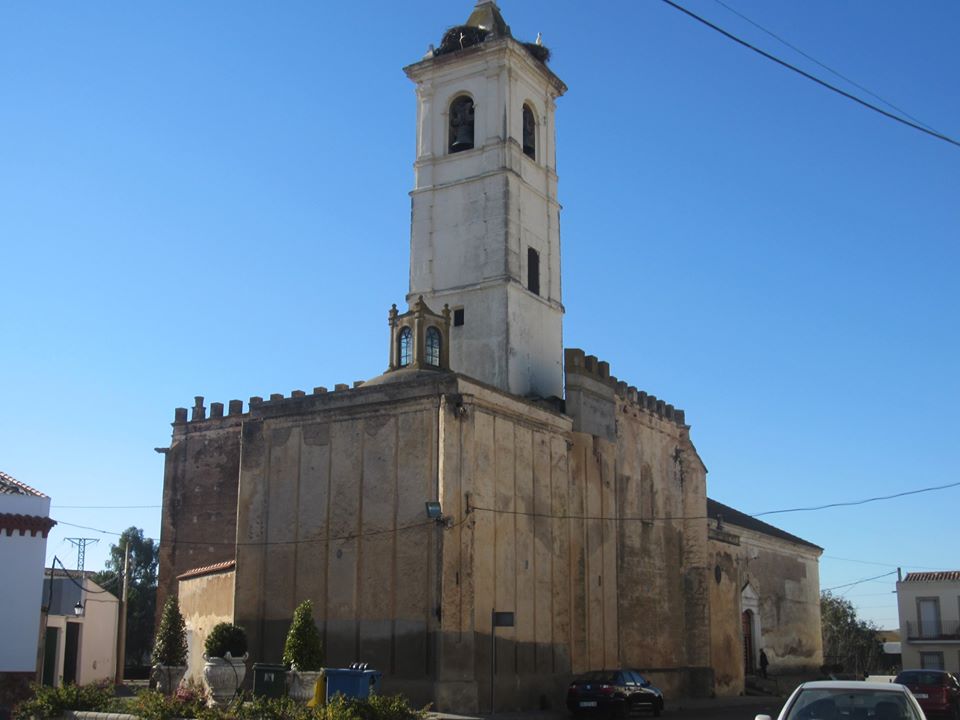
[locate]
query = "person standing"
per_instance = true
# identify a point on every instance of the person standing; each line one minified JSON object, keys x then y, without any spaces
{"x":763,"y":663}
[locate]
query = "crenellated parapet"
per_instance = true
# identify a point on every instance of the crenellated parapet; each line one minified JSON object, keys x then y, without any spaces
{"x":592,"y":394}
{"x":198,"y":414}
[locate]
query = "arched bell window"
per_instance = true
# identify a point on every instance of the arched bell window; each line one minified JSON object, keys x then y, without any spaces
{"x":529,"y":133}
{"x":461,"y":124}
{"x":432,"y":347}
{"x":405,"y":347}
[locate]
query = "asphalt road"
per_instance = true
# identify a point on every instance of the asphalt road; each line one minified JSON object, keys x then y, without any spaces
{"x":724,"y":711}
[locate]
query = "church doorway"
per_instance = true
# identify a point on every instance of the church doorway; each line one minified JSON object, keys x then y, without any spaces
{"x":748,"y":665}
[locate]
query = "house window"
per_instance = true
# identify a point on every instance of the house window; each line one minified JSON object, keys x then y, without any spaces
{"x":931,"y":660}
{"x":533,"y":271}
{"x":405,"y":347}
{"x":928,"y":615}
{"x":458,"y":317}
{"x":461,"y":124}
{"x":433,"y":347}
{"x":529,"y":133}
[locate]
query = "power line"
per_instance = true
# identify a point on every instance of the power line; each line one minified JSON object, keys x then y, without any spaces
{"x":857,"y":582}
{"x":814,"y":78}
{"x":825,"y":67}
{"x":339,"y":538}
{"x":858,"y":502}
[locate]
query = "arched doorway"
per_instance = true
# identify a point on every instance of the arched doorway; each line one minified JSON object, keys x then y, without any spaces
{"x":748,"y":652}
{"x":750,"y":624}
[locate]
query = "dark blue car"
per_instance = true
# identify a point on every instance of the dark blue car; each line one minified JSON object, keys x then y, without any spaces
{"x":613,"y":694}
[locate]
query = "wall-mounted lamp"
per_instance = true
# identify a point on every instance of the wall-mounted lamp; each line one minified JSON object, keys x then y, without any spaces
{"x":435,"y":513}
{"x":78,"y":609}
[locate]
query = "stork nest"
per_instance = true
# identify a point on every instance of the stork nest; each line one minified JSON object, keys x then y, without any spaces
{"x":540,"y":52}
{"x":460,"y":37}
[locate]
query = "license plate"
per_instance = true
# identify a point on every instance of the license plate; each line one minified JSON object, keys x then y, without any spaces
{"x":588,"y":703}
{"x":921,"y":696}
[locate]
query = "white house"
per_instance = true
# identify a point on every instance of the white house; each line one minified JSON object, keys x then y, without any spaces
{"x":929,"y":605}
{"x":24,"y":525}
{"x":80,"y":641}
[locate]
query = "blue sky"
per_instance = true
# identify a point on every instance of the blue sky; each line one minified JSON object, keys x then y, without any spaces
{"x":211,"y":199}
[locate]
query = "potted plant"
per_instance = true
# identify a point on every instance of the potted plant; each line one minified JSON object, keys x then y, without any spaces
{"x":303,"y":653}
{"x":170,"y":648}
{"x":225,"y":653}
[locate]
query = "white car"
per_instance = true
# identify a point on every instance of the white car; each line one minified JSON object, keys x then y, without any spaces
{"x":849,"y":700}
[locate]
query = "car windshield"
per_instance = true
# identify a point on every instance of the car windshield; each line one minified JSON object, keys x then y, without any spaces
{"x":835,"y":704}
{"x":916,"y":677}
{"x":597,"y":677}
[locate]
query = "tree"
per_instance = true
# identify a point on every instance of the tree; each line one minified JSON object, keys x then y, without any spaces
{"x":142,"y":591}
{"x":850,"y":645}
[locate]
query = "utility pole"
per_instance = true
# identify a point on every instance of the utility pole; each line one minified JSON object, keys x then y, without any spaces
{"x":122,"y":621}
{"x":81,"y":544}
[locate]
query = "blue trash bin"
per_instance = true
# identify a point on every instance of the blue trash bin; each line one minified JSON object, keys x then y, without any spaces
{"x":352,"y":682}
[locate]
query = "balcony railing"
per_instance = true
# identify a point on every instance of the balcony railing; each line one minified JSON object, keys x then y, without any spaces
{"x":948,"y":631}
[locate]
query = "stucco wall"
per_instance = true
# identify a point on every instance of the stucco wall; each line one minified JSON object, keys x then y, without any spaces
{"x":97,"y":640}
{"x":785,"y":577}
{"x":205,"y":600}
{"x":948,"y":594}
{"x":22,"y":559}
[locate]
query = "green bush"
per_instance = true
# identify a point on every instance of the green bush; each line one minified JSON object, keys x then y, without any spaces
{"x":303,"y":649}
{"x":50,"y":702}
{"x":226,"y":638}
{"x":170,"y":645}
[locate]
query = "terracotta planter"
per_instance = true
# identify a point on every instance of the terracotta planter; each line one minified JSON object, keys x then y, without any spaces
{"x":300,"y":684}
{"x":223,"y":677}
{"x":168,"y":677}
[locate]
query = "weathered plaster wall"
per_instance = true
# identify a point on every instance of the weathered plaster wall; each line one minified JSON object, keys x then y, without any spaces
{"x":785,"y":576}
{"x":331,"y":508}
{"x":520,"y":543}
{"x":198,"y":525}
{"x":657,"y":484}
{"x":205,"y":600}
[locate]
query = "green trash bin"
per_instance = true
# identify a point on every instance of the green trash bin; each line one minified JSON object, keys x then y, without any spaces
{"x":269,"y":680}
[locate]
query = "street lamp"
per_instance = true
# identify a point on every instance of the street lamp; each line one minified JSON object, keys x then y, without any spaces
{"x":78,"y":609}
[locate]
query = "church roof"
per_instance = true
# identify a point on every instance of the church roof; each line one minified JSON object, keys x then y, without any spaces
{"x":731,"y":516}
{"x":938,"y":576}
{"x":11,"y":486}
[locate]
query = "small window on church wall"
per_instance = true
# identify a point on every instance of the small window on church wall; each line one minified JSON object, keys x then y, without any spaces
{"x":405,"y":347}
{"x":433,"y":347}
{"x":529,"y":133}
{"x":461,"y":124}
{"x":533,"y":271}
{"x":458,"y":317}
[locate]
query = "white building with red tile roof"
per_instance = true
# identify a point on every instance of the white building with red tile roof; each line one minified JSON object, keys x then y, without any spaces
{"x":24,"y":525}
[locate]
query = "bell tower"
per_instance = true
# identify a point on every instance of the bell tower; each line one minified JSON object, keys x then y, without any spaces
{"x":485,"y":233}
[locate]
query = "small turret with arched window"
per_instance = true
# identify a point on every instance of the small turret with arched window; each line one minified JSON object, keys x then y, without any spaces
{"x":419,"y":338}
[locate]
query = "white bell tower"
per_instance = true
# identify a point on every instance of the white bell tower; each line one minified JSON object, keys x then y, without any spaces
{"x":485,"y":234}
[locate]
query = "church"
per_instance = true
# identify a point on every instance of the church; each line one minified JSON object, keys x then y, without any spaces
{"x":494,"y":513}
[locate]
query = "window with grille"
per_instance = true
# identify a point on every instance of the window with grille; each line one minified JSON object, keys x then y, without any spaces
{"x":405,"y":349}
{"x":433,"y":347}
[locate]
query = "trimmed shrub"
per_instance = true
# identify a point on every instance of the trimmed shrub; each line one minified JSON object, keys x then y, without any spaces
{"x":303,"y":649}
{"x":51,"y":702}
{"x":170,"y":645}
{"x":226,"y":638}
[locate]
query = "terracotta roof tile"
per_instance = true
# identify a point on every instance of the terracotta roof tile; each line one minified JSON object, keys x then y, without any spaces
{"x":208,"y":569}
{"x":939,"y":576}
{"x":10,"y":486}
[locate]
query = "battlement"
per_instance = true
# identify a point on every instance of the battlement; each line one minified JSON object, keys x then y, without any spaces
{"x":198,"y":413}
{"x":577,"y":362}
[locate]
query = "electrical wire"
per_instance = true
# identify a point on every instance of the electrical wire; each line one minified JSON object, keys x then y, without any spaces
{"x":339,"y":538}
{"x":66,"y":572}
{"x":857,"y":582}
{"x":825,"y":67}
{"x":858,"y":502}
{"x":814,"y":78}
